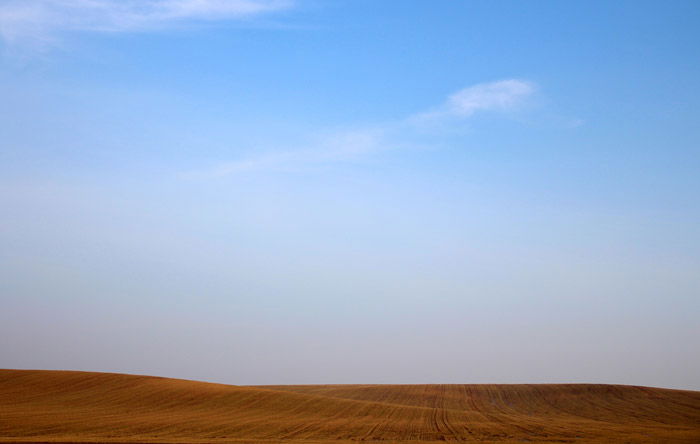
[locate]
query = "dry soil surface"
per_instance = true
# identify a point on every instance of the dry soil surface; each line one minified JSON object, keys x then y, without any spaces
{"x":79,"y":407}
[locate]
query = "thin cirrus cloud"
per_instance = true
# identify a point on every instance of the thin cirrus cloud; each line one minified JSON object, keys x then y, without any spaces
{"x":498,"y":96}
{"x":42,"y":21}
{"x":502,"y":95}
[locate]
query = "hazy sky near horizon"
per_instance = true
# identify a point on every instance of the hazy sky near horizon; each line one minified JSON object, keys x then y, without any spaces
{"x":352,"y":191}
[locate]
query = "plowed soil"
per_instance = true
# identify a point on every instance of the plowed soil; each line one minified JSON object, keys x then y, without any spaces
{"x":80,"y":407}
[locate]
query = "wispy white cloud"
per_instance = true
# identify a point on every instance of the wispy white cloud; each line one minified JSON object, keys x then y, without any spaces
{"x":342,"y":146}
{"x":500,"y":96}
{"x":503,"y":95}
{"x":42,"y":20}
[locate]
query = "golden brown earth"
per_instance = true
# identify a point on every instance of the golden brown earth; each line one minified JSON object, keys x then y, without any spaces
{"x":61,"y":406}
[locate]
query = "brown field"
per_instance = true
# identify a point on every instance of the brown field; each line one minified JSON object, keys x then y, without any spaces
{"x":61,"y":406}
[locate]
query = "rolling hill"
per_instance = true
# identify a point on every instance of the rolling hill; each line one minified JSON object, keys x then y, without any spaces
{"x":63,"y":406}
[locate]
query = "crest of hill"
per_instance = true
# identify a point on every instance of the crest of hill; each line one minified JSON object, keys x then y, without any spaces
{"x":63,"y":406}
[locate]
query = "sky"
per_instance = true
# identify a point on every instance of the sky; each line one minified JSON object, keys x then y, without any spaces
{"x":352,"y":191}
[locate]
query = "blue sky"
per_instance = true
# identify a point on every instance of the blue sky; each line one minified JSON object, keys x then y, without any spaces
{"x":308,"y":191}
